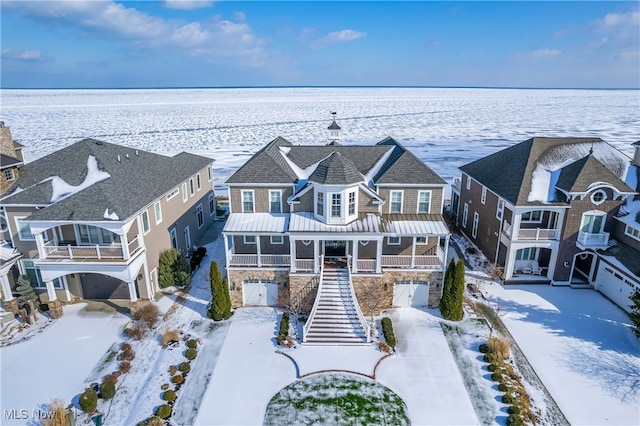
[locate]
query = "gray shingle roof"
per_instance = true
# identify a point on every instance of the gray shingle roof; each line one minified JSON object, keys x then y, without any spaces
{"x":400,"y":167}
{"x":136,"y":179}
{"x":334,"y":126}
{"x":626,"y":255}
{"x":8,"y":161}
{"x":579,"y":175}
{"x":336,"y":170}
{"x":509,"y":172}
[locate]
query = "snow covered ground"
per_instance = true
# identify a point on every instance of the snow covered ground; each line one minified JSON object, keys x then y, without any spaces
{"x":444,"y":127}
{"x":580,"y":345}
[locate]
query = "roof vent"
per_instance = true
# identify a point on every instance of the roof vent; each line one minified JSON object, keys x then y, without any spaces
{"x":118,"y":157}
{"x":127,"y":155}
{"x":99,"y":143}
{"x":137,"y":152}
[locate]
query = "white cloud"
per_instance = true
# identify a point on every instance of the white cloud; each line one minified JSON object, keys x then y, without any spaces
{"x":23,"y":55}
{"x":108,"y":19}
{"x":620,"y":27}
{"x":540,"y":54}
{"x":338,"y":37}
{"x":187,"y":4}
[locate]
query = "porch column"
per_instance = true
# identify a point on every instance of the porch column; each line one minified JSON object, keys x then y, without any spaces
{"x":292,"y":250}
{"x":226,"y":249}
{"x":65,"y":285}
{"x":354,"y":261}
{"x":413,"y":253}
{"x":40,"y":244}
{"x":316,"y":256}
{"x":258,"y":239}
{"x":6,"y":288}
{"x":147,"y":281}
{"x":515,"y":228}
{"x":379,"y":257}
{"x":125,"y":247}
{"x":132,"y":291}
{"x":446,"y":252}
{"x":511,"y":260}
{"x":553,"y":259}
{"x":55,"y":307}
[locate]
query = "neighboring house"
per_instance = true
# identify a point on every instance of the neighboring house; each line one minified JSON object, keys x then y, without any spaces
{"x":548,"y":209}
{"x":374,"y":212}
{"x":91,"y":220}
{"x":10,"y":159}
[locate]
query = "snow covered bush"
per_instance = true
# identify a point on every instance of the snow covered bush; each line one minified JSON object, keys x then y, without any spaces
{"x":88,"y":400}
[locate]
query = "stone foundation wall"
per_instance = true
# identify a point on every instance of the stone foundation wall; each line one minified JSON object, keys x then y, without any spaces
{"x":236,"y":277}
{"x":306,"y":288}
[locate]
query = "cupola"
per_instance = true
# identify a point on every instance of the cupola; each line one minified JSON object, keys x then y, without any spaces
{"x":334,"y":131}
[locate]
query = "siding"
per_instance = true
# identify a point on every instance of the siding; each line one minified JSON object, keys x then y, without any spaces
{"x":260,"y":198}
{"x":410,"y":198}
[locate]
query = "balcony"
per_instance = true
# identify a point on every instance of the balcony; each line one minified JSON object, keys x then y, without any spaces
{"x":90,"y":253}
{"x":253,"y":260}
{"x":531,"y":234}
{"x":457,"y":184}
{"x":592,"y":241}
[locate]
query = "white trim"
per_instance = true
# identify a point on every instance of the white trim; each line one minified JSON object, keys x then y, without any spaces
{"x":211,"y":198}
{"x":209,"y":173}
{"x":192,"y":188}
{"x":274,"y":236}
{"x":198,"y":182}
{"x":629,"y":231}
{"x":173,"y":236}
{"x":474,"y":229}
{"x":253,"y":200}
{"x":465,"y":215}
{"x":401,"y":192}
{"x":199,"y":207}
{"x":483,"y":196}
{"x":17,"y":220}
{"x":246,"y":243}
{"x":279,"y":192}
{"x":185,"y":194}
{"x":389,"y":243}
{"x":157,"y":212}
{"x":523,"y":220}
{"x":418,"y":203}
{"x":172,"y":194}
{"x":500,"y":209}
{"x":146,"y":212}
{"x":468,"y":182}
{"x":187,"y":239}
{"x":426,"y":239}
{"x":604,"y":197}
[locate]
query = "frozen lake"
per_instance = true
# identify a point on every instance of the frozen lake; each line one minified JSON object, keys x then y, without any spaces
{"x":445,"y":127}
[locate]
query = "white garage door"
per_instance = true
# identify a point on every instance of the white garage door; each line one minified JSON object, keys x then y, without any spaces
{"x":410,"y":293}
{"x":259,"y":293}
{"x":615,"y":286}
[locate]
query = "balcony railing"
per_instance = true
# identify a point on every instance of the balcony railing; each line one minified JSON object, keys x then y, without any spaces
{"x":421,"y":262}
{"x":366,"y":265}
{"x":251,"y":260}
{"x":538,"y":234}
{"x":99,"y":252}
{"x":304,"y":265}
{"x":594,"y":241}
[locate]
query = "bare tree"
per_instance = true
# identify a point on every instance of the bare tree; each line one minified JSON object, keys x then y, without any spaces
{"x":371,"y":297}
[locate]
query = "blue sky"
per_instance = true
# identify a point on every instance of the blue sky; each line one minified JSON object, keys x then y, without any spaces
{"x":112,"y":44}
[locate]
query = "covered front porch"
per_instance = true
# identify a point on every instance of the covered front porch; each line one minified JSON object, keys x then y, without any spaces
{"x":530,"y":263}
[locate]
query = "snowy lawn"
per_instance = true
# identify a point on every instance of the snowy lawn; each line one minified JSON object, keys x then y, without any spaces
{"x":580,"y":345}
{"x":424,"y":373}
{"x":53,"y":364}
{"x":336,"y":399}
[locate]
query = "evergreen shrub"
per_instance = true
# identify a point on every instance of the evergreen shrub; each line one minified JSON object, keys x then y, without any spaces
{"x":88,"y":400}
{"x":164,"y":411}
{"x":107,"y":390}
{"x":185,"y":367}
{"x":190,"y":354}
{"x":387,"y":331}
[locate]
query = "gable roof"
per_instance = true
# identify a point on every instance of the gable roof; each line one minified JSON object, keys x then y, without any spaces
{"x":9,"y":161}
{"x":521,"y":174}
{"x":580,"y":175}
{"x":125,"y":186}
{"x":336,"y":170}
{"x":388,"y":161}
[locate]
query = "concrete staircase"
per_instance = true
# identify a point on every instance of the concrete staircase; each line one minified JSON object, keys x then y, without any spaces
{"x":335,"y":319}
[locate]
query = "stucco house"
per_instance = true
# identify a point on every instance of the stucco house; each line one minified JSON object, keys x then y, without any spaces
{"x":318,"y":225}
{"x":90,"y":220}
{"x":555,"y":210}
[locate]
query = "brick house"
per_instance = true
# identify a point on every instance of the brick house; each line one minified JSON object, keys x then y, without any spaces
{"x":548,"y":209}
{"x":303,"y":218}
{"x":91,"y":219}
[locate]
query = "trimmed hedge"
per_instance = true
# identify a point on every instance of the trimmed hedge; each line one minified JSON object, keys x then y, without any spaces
{"x":190,"y":353}
{"x":185,"y":367}
{"x":164,"y":411}
{"x":284,"y":329}
{"x":192,"y":343}
{"x":387,"y":330}
{"x":107,"y":390}
{"x":177,"y":379}
{"x":88,"y":400}
{"x":169,"y":396}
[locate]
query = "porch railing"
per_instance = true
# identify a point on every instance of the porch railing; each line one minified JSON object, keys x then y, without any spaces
{"x":304,"y":265}
{"x":538,"y":234}
{"x":366,"y":265}
{"x":265,"y":260}
{"x":82,"y":252}
{"x":307,"y":325}
{"x":363,"y":320}
{"x":422,"y":262}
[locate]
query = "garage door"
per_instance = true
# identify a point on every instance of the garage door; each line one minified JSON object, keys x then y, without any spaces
{"x":410,"y":293}
{"x":259,"y":293}
{"x":96,"y":286}
{"x":615,"y":286}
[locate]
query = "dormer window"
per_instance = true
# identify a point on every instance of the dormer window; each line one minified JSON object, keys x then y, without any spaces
{"x":336,"y":205}
{"x":598,"y":197}
{"x":352,"y":203}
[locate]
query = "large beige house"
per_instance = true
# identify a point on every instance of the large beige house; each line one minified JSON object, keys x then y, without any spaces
{"x":90,"y":220}
{"x":318,"y":225}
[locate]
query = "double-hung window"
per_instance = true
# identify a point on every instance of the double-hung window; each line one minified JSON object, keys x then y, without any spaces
{"x":247,"y":202}
{"x":320,"y":203}
{"x":212,"y":204}
{"x":158,"y":212}
{"x":474,"y":230}
{"x":336,"y":205}
{"x":424,"y":201}
{"x":145,"y":221}
{"x":465,"y":214}
{"x":483,"y":197}
{"x":396,"y":202}
{"x":275,"y":201}
{"x":24,"y":230}
{"x":500,"y":209}
{"x":352,"y":203}
{"x":198,"y":182}
{"x":199,"y":216}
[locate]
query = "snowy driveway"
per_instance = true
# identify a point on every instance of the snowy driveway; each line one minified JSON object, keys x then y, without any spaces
{"x":581,"y":347}
{"x":60,"y":358}
{"x":423,"y":372}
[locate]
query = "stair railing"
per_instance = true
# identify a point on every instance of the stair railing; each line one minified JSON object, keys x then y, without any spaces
{"x":307,"y":325}
{"x":363,"y":320}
